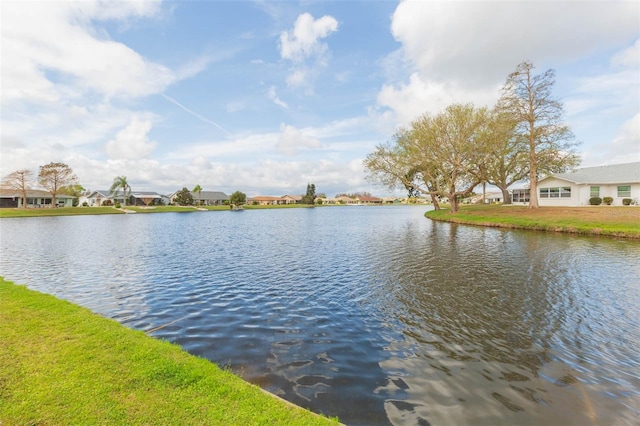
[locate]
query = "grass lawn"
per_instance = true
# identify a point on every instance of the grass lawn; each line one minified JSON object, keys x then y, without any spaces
{"x":619,"y":221}
{"x":73,"y":211}
{"x":61,"y":211}
{"x":61,"y":364}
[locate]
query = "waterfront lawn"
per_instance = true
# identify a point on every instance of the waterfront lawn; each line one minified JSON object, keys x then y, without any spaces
{"x":60,"y":211}
{"x":622,"y":221}
{"x":62,"y":364}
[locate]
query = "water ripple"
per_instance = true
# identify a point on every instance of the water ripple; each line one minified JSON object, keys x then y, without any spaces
{"x":375,"y":315}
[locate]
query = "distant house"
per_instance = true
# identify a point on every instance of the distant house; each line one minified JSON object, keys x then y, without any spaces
{"x":144,"y":198}
{"x":210,"y":198}
{"x":135,"y":198}
{"x":291,"y":199}
{"x":35,"y":198}
{"x":95,"y":198}
{"x":618,"y":181}
{"x":265,"y":200}
{"x":346,"y":200}
{"x":391,"y":200}
{"x":368,"y":200}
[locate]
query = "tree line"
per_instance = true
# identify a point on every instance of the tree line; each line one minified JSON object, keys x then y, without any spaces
{"x":447,"y":155}
{"x":58,"y":178}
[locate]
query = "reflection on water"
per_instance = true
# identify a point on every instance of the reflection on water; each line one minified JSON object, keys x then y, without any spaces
{"x":374,"y":315}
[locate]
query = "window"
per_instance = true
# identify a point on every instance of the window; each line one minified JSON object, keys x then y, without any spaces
{"x":594,"y":191}
{"x":624,"y":191}
{"x":564,"y":192}
{"x":520,"y":196}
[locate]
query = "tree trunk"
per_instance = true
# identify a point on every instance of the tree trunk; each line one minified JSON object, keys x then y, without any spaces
{"x":453,"y":201}
{"x":434,"y":201}
{"x":533,"y":187}
{"x":506,"y":197}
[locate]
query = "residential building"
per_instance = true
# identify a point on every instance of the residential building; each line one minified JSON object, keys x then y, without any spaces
{"x":210,"y":198}
{"x":618,"y":181}
{"x":36,"y":198}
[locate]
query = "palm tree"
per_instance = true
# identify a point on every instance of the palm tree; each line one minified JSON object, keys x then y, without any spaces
{"x":198,"y":189}
{"x":120,"y":182}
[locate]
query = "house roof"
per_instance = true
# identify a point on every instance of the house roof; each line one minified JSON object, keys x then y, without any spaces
{"x":292,"y":197}
{"x":31,"y":193}
{"x":369,"y":199}
{"x":118,"y":193}
{"x":210,"y":195}
{"x":265,"y":198}
{"x":615,"y":173}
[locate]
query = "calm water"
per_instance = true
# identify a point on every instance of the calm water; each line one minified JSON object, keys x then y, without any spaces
{"x":372,"y":314}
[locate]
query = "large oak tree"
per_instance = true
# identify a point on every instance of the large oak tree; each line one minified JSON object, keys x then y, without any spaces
{"x":440,"y":155}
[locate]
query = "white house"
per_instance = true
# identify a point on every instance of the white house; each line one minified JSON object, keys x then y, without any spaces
{"x":618,"y":181}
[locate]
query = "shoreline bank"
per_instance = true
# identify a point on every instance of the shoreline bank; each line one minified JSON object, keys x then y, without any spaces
{"x":609,"y":221}
{"x":63,"y":364}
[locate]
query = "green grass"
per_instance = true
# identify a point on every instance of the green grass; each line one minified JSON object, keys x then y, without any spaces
{"x":73,"y":211}
{"x":618,"y":221}
{"x":61,"y":211}
{"x":62,"y":364}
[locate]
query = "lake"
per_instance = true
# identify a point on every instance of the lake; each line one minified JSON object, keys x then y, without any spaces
{"x":376,"y":315}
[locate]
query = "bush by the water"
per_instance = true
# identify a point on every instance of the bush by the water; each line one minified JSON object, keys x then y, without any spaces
{"x":117,"y":205}
{"x":626,"y":201}
{"x":607,"y":200}
{"x":595,"y":201}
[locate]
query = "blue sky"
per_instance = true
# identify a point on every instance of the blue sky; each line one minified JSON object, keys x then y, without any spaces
{"x":267,"y":96}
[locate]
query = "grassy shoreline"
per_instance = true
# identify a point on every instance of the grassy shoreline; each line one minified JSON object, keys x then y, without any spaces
{"x":63,"y":364}
{"x":612,"y":221}
{"x":82,"y":211}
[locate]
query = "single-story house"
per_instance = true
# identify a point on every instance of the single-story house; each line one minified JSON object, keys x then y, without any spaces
{"x":291,"y":199}
{"x":210,"y":198}
{"x":265,"y":200}
{"x":618,"y":181}
{"x":35,"y":198}
{"x":368,"y":200}
{"x":135,"y":198}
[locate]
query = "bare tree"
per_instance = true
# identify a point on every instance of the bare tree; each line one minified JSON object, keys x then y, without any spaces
{"x":55,"y":176}
{"x":18,"y":181}
{"x":539,"y":119}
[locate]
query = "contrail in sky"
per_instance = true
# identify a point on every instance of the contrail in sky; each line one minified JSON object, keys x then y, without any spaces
{"x":195,"y":114}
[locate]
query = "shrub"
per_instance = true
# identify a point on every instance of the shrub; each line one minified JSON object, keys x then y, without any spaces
{"x":595,"y":201}
{"x":117,"y":205}
{"x":626,"y":201}
{"x":106,"y":203}
{"x":607,"y":200}
{"x":85,"y":204}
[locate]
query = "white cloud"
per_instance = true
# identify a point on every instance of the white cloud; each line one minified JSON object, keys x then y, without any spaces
{"x":66,"y":56}
{"x":479,"y":41}
{"x":627,"y":141}
{"x":304,"y":48}
{"x":273,"y":97}
{"x":292,"y":139}
{"x":623,"y":148}
{"x":463,"y":51}
{"x":629,"y":57}
{"x":409,"y":100}
{"x":304,"y":40}
{"x":132,"y":142}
